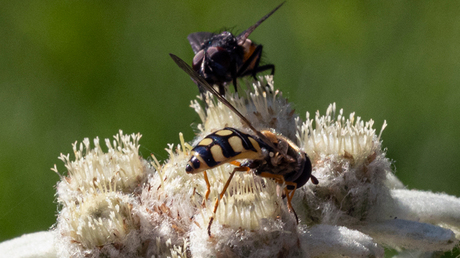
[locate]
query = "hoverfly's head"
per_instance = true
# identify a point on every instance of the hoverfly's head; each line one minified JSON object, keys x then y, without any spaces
{"x":195,"y":164}
{"x":189,"y":168}
{"x":306,"y":172}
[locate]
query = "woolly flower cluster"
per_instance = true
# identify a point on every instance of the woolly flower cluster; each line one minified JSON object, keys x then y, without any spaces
{"x":118,"y":204}
{"x":97,"y":196}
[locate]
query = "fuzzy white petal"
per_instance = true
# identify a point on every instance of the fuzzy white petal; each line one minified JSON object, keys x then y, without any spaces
{"x":411,"y":235}
{"x":336,"y":241}
{"x":415,"y":253}
{"x":34,"y":245}
{"x":424,"y":206}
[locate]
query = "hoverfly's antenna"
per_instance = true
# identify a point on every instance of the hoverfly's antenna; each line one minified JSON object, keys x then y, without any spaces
{"x":202,"y":82}
{"x":245,"y":34}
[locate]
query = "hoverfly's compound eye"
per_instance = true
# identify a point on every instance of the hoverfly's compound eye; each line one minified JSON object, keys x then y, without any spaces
{"x":193,"y":164}
{"x":197,"y":60}
{"x":305,"y":175}
{"x":219,"y":56}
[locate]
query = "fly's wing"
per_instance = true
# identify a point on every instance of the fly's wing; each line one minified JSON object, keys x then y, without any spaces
{"x":245,"y":34}
{"x":201,"y":82}
{"x":197,"y":38}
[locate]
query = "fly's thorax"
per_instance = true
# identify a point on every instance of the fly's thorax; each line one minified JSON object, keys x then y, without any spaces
{"x":217,"y":58}
{"x":225,"y":39}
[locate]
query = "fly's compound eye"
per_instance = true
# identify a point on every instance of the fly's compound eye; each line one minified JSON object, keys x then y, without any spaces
{"x":219,"y":56}
{"x":197,"y":60}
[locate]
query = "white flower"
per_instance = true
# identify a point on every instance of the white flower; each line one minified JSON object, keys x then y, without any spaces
{"x":96,"y":197}
{"x":115,"y":203}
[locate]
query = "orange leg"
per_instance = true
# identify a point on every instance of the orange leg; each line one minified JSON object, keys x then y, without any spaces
{"x":235,"y":163}
{"x":278,"y":178}
{"x":208,"y":188}
{"x":289,"y":193}
{"x":239,"y":168}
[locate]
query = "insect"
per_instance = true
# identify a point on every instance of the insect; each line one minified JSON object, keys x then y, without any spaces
{"x":267,"y":154}
{"x":222,"y":58}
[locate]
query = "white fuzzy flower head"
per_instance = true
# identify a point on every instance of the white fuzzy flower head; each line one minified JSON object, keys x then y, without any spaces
{"x":120,"y":168}
{"x":96,"y":211}
{"x":115,"y":203}
{"x":98,"y":219}
{"x":350,"y":165}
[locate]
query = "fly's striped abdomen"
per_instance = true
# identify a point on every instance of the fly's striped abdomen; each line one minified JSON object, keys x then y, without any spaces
{"x":222,"y":147}
{"x":249,"y":48}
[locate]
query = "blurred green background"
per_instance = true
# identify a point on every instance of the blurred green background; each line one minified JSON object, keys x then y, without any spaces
{"x":75,"y":69}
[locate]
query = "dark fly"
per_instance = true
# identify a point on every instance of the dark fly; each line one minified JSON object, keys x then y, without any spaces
{"x":222,"y":58}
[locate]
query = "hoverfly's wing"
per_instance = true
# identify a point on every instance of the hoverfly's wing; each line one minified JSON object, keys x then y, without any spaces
{"x":197,"y":38}
{"x":245,"y":34}
{"x":201,"y":82}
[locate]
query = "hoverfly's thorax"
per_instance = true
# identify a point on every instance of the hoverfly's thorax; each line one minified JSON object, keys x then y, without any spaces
{"x":286,"y":160}
{"x":270,"y":136}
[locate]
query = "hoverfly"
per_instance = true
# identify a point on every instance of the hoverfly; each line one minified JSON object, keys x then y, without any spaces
{"x":222,"y":58}
{"x":267,"y":154}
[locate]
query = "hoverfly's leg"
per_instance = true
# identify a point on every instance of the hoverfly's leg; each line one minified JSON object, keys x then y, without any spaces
{"x":208,"y":188}
{"x":278,"y":178}
{"x":209,"y":225}
{"x":223,"y":191}
{"x":235,"y":163}
{"x":289,"y":193}
{"x":289,"y":196}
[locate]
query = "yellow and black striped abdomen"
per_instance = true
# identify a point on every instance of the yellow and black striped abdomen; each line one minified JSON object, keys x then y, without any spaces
{"x":222,"y":147}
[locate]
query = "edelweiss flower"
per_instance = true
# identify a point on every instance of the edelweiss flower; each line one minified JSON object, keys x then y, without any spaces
{"x":115,"y":203}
